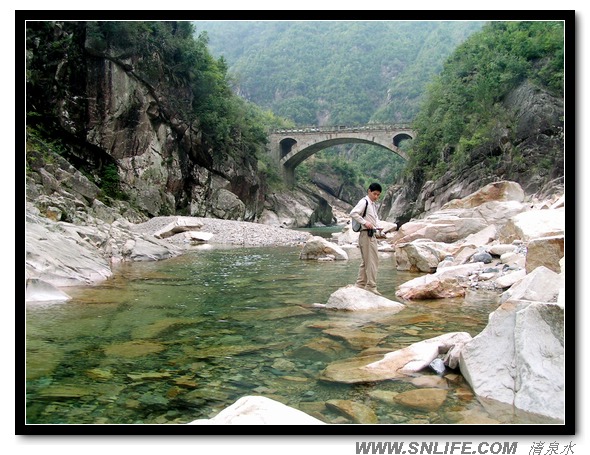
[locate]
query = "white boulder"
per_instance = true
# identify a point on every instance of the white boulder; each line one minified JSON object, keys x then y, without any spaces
{"x":257,"y":410}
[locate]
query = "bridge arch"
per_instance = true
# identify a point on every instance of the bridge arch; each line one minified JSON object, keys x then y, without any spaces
{"x":292,"y":147}
{"x":399,"y":138}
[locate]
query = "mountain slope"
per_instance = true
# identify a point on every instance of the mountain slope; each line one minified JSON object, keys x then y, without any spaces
{"x":335,"y":72}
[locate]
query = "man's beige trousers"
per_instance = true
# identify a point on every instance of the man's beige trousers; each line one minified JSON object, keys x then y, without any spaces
{"x":367,"y":277}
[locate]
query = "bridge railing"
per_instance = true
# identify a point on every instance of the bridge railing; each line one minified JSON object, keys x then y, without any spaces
{"x":340,"y":128}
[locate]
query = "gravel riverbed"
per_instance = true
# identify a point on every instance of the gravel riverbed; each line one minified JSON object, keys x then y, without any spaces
{"x":228,"y":232}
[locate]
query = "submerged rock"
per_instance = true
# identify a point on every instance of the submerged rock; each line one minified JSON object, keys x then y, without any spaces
{"x":357,"y":412}
{"x":425,"y":399}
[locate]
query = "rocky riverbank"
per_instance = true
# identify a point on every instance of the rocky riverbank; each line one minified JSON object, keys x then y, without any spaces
{"x":61,"y":254}
{"x":495,"y":239}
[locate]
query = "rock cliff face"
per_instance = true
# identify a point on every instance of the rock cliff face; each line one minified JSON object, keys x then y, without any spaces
{"x":529,"y":150}
{"x":111,"y":113}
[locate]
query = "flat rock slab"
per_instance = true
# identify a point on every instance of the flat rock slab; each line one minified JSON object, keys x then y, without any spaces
{"x":393,"y":365}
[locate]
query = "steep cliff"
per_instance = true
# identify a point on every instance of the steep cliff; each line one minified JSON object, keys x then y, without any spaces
{"x":104,"y":104}
{"x":528,"y":150}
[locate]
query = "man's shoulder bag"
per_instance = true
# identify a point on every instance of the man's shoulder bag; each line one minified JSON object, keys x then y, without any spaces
{"x":356,"y":226}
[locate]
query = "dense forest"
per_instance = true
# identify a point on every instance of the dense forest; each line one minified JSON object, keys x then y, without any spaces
{"x":335,"y":72}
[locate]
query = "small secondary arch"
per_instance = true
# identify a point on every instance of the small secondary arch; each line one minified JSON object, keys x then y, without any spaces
{"x":399,"y":138}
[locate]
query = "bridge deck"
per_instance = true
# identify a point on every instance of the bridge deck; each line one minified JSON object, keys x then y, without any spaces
{"x":343,"y":128}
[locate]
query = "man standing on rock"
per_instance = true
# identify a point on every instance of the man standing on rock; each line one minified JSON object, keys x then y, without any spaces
{"x":365,"y":212}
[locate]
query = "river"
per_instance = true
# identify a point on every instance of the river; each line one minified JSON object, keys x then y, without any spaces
{"x":172,"y":341}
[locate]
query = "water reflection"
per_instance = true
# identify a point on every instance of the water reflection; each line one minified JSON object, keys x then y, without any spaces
{"x":181,"y":339}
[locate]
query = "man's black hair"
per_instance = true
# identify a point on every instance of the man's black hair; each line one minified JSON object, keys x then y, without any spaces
{"x":375,"y":187}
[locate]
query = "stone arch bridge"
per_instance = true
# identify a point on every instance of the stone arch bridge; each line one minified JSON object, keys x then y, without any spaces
{"x":290,"y":147}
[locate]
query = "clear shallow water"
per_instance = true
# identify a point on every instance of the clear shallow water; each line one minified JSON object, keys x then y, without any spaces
{"x":181,"y":339}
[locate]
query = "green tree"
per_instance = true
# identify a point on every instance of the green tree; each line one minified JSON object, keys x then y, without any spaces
{"x":463,"y":105}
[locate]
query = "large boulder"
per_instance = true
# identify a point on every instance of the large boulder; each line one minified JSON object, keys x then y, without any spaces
{"x":496,"y":191}
{"x":352,"y":298}
{"x":348,"y":236}
{"x":446,"y":282}
{"x":519,"y":358}
{"x":498,"y":212}
{"x":319,"y":249}
{"x":65,"y":254}
{"x":290,"y":209}
{"x":545,"y":251}
{"x":444,"y":226}
{"x":61,"y":258}
{"x":178,"y":225}
{"x":421,"y":255}
{"x":541,"y":285}
{"x":226,"y":205}
{"x":533,"y":224}
{"x":257,"y":410}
